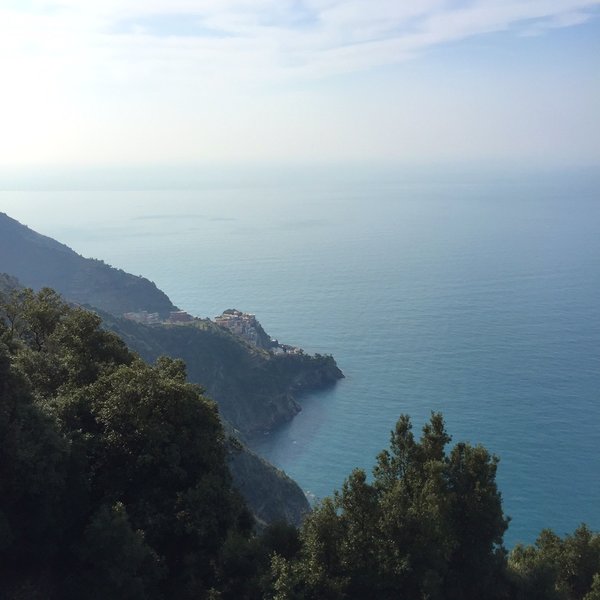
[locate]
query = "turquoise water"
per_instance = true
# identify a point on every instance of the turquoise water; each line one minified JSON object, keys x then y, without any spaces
{"x":479,"y":298}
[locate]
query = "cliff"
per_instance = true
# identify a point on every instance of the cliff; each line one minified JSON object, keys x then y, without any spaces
{"x":271,"y":494}
{"x":255,"y":390}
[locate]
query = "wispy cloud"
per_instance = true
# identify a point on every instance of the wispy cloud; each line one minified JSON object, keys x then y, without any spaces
{"x":181,"y":81}
{"x":567,"y":19}
{"x":241,"y":40}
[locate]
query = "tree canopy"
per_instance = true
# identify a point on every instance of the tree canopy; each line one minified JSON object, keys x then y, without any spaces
{"x":428,"y":525}
{"x":113,"y":473}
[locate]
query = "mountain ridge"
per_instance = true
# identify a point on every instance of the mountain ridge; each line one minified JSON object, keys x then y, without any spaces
{"x":40,"y":261}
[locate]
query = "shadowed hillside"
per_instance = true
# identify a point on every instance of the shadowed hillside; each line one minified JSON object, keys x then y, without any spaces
{"x":40,"y":261}
{"x":270,"y":494}
{"x":255,"y":390}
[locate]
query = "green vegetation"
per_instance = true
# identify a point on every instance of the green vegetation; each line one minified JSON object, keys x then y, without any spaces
{"x":270,"y":494}
{"x":113,"y":474}
{"x":255,"y":390}
{"x":40,"y":261}
{"x":114,"y":484}
{"x":430,"y":526}
{"x":559,"y":569}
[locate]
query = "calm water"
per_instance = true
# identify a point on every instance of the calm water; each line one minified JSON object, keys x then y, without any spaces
{"x":477,"y":298}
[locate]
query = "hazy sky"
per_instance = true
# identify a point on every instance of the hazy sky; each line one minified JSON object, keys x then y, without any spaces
{"x":135,"y":82}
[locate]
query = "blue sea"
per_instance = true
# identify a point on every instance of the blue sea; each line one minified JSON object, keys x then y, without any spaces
{"x":475,"y":295}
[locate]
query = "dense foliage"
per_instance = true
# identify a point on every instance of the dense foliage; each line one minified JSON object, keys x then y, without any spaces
{"x":430,"y":525}
{"x":113,"y":481}
{"x":114,"y":484}
{"x":558,"y":569}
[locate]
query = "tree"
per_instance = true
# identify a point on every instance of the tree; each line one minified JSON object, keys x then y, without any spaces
{"x":33,"y":474}
{"x":318,"y":571}
{"x":360,"y":514}
{"x":558,"y":568}
{"x":430,"y":525}
{"x":115,"y":561}
{"x":41,"y":314}
{"x":113,"y":480}
{"x":155,"y":445}
{"x":476,"y":567}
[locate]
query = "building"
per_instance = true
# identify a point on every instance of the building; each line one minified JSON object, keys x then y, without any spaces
{"x":143,"y":317}
{"x":180,"y":316}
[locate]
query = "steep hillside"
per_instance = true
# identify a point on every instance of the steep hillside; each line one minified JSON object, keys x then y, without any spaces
{"x":8,"y":283}
{"x":40,"y":261}
{"x":255,"y":390}
{"x":269,"y":493}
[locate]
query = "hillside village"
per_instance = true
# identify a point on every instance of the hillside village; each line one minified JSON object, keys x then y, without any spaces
{"x":176,"y":317}
{"x":246,"y":326}
{"x":242,"y":324}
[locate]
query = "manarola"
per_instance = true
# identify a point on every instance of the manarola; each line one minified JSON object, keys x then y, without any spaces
{"x":299,"y":300}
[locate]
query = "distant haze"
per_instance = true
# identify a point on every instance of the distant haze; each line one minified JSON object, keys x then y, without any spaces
{"x":134,"y":83}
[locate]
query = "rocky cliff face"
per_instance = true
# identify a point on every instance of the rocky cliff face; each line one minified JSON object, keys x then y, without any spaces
{"x":269,"y":492}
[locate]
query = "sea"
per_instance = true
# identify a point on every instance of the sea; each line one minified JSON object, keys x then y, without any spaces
{"x":473,"y":294}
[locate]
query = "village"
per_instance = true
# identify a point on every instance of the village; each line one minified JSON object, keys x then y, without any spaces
{"x":246,"y":326}
{"x":176,"y":317}
{"x":242,"y":324}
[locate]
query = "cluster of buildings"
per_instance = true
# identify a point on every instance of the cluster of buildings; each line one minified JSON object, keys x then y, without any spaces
{"x":179,"y":316}
{"x":143,"y":316}
{"x":286,"y":349}
{"x":246,"y":326}
{"x":153,"y":318}
{"x":242,"y":324}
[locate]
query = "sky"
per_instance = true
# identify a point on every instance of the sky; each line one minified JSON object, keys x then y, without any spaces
{"x":86,"y":83}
